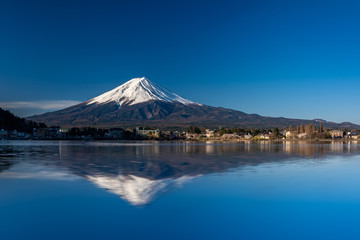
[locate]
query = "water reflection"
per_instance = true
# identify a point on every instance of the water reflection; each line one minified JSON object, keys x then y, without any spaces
{"x":6,"y":158}
{"x":140,"y":172}
{"x":134,"y":189}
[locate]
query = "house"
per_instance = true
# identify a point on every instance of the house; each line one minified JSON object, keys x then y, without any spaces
{"x":17,"y":135}
{"x":248,"y":136}
{"x":21,"y":134}
{"x":302,"y":135}
{"x":283,"y":132}
{"x":263,"y":136}
{"x":209,"y":133}
{"x":52,"y":132}
{"x":352,"y":135}
{"x":39,"y":132}
{"x":289,"y":134}
{"x":140,"y":131}
{"x":336,"y":134}
{"x":13,"y":134}
{"x":229,"y":136}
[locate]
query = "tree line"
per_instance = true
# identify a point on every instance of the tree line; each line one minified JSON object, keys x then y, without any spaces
{"x":10,"y":122}
{"x":311,"y":130}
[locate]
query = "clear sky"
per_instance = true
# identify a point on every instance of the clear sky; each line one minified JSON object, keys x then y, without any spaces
{"x":298,"y":59}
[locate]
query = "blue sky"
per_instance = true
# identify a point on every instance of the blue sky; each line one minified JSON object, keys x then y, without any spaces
{"x":296,"y":59}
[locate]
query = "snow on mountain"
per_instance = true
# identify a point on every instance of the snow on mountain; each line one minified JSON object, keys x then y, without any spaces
{"x":138,"y":90}
{"x":140,"y":102}
{"x":137,"y":190}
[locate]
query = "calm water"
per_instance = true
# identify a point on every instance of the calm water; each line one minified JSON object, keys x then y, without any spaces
{"x":142,"y":190}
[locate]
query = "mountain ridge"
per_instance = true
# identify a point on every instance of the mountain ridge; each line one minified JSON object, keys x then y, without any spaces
{"x":140,"y":102}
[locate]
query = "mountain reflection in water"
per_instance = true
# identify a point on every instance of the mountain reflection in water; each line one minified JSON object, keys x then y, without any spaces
{"x":139,"y":171}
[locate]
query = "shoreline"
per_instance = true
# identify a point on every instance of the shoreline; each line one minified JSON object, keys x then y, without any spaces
{"x":192,"y":140}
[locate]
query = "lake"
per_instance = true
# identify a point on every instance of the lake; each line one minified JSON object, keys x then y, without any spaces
{"x":157,"y":190}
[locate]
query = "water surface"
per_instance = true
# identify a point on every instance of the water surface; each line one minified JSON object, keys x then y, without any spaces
{"x":149,"y":190}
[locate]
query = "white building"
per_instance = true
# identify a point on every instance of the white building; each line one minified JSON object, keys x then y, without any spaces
{"x":302,"y":135}
{"x":146,"y":133}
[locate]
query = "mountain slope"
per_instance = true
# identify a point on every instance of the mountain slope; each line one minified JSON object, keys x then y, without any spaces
{"x":140,"y":102}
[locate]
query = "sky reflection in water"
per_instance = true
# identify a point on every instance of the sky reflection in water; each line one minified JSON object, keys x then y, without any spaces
{"x":108,"y":190}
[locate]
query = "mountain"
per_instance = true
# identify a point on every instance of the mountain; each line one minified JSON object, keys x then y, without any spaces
{"x":140,"y":102}
{"x":10,"y":122}
{"x":138,"y":90}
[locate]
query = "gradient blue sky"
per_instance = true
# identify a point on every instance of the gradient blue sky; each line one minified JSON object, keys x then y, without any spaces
{"x":297,"y":59}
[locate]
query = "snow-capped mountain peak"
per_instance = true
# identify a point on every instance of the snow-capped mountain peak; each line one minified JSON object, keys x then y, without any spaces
{"x":138,"y":90}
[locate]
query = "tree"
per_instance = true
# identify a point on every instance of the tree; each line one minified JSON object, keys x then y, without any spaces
{"x":310,"y":130}
{"x":321,"y":127}
{"x":302,"y":130}
{"x":255,"y":132}
{"x":10,"y":122}
{"x":193,"y":129}
{"x":276,"y":133}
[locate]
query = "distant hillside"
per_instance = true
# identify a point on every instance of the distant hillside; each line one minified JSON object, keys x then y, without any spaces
{"x":165,"y":115}
{"x":10,"y":122}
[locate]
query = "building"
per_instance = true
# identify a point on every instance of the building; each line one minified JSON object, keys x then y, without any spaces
{"x":352,"y":135}
{"x":39,"y":132}
{"x":52,"y":132}
{"x":302,"y":135}
{"x":3,"y":134}
{"x":209,"y":133}
{"x":336,"y":134}
{"x":230,"y":136}
{"x":14,"y":134}
{"x":115,"y":133}
{"x":248,"y":136}
{"x":264,"y":136}
{"x":289,"y":134}
{"x":283,"y":132}
{"x":140,"y":131}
